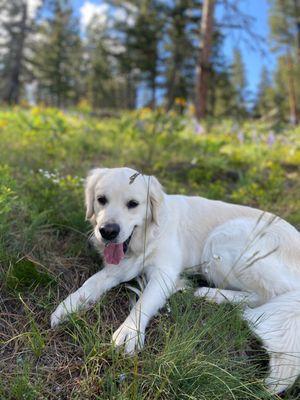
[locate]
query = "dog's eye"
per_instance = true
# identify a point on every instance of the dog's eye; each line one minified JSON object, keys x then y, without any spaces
{"x":102,"y":200}
{"x":132,"y":204}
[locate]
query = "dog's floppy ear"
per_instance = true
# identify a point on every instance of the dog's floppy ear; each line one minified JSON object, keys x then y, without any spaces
{"x":90,"y":182}
{"x":156,"y":196}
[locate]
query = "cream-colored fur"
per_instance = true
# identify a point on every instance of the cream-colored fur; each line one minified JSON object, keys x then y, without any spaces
{"x":249,"y":256}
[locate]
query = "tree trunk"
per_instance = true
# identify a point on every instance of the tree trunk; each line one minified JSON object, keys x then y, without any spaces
{"x":294,"y":117}
{"x":203,"y":66}
{"x":153,"y":91}
{"x":297,"y":16}
{"x":131,"y":91}
{"x":13,"y":87}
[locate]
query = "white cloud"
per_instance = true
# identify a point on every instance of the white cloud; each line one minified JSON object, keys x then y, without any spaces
{"x":124,"y":16}
{"x":130,"y":7}
{"x":33,"y":6}
{"x":90,"y":11}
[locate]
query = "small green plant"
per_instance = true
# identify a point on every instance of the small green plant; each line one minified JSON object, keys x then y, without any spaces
{"x":20,"y":384}
{"x":24,"y":274}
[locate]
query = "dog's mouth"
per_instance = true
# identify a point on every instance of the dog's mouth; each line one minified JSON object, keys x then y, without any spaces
{"x":126,"y":243}
{"x":115,"y":252}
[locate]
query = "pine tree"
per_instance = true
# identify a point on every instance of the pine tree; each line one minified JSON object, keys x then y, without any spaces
{"x":238,"y":80}
{"x":182,"y":21}
{"x":58,"y":56}
{"x":142,"y":40}
{"x":106,"y":87}
{"x":265,"y":99}
{"x":98,"y":69}
{"x":280,"y":95}
{"x":285,"y":33}
{"x":221,"y":94}
{"x":16,"y":24}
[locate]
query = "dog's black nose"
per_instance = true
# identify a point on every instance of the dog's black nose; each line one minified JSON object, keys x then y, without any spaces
{"x":109,"y":231}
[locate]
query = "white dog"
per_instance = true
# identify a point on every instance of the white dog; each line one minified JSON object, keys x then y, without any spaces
{"x":249,"y":256}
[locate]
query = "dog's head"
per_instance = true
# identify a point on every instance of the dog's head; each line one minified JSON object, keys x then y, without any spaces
{"x":120,"y":203}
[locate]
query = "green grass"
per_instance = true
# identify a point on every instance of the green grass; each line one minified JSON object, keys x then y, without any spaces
{"x":194,"y":349}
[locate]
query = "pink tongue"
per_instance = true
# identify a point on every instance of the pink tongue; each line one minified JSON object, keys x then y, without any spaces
{"x":113,"y":253}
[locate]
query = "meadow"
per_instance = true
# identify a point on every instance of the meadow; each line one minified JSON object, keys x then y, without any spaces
{"x":194,"y":349}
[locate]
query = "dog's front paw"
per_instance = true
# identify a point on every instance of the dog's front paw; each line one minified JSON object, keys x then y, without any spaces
{"x":129,"y":335}
{"x":65,"y":308}
{"x":74,"y":302}
{"x":58,"y":316}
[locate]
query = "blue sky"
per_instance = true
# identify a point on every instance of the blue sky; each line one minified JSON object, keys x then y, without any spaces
{"x":253,"y":59}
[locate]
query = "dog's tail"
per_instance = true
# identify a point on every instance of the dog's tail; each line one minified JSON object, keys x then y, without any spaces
{"x":277,"y":323}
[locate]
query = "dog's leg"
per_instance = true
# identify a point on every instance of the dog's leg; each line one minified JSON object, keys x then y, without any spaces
{"x":277,"y":324}
{"x":233,"y":296}
{"x":132,"y":331}
{"x":93,"y":289}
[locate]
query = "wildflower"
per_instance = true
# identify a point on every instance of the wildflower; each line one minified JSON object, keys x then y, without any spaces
{"x":191,"y":109}
{"x":37,"y":110}
{"x":122,"y":377}
{"x":180,"y":101}
{"x":145,"y":112}
{"x":198,"y":128}
{"x":271,"y":139}
{"x":241,"y":137}
{"x":3,"y":123}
